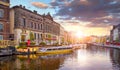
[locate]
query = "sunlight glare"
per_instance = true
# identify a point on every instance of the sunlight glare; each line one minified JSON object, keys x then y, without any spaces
{"x":79,"y":34}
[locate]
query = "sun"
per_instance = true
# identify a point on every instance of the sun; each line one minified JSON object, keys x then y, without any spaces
{"x":79,"y":34}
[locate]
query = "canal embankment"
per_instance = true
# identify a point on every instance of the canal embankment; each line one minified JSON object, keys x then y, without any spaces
{"x":32,"y":49}
{"x":104,"y":45}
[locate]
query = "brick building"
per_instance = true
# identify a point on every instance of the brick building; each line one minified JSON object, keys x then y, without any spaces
{"x":51,"y":29}
{"x":4,"y":20}
{"x":24,"y":21}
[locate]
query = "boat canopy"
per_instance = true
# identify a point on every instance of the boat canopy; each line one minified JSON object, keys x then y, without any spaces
{"x":56,"y":48}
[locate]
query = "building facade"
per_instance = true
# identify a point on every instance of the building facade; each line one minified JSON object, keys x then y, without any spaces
{"x":4,"y":20}
{"x":115,"y":34}
{"x":62,"y":31}
{"x":66,"y":37}
{"x":24,"y":22}
{"x":51,"y":30}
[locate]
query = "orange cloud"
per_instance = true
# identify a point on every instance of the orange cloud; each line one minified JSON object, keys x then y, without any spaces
{"x":86,"y":28}
{"x":87,"y":31}
{"x":40,"y":5}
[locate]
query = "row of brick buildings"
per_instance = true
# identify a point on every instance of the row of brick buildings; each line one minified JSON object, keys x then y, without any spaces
{"x":18,"y":21}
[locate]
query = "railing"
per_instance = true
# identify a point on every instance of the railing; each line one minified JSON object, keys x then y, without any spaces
{"x":5,"y":43}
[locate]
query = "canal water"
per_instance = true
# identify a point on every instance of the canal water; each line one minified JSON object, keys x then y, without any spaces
{"x":89,"y":58}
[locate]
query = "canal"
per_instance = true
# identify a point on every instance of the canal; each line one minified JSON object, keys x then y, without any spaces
{"x":90,"y":58}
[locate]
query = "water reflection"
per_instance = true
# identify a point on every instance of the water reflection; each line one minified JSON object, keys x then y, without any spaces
{"x":89,"y":58}
{"x":49,"y":62}
{"x":115,"y":58}
{"x":7,"y":63}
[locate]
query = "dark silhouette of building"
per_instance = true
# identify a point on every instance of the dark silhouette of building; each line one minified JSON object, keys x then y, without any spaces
{"x":115,"y":33}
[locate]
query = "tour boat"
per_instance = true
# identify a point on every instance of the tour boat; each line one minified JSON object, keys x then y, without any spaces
{"x":55,"y":50}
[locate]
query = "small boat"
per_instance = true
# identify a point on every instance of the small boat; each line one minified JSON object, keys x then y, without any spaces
{"x":55,"y":50}
{"x":5,"y":52}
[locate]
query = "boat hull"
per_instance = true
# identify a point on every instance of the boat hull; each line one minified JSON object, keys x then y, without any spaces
{"x":56,"y":51}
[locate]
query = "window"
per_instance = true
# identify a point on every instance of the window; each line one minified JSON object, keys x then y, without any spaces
{"x":1,"y":37}
{"x":24,"y":22}
{"x":35,"y":25}
{"x":1,"y":13}
{"x":38,"y":36}
{"x":31,"y":24}
{"x":41,"y":26}
{"x":35,"y":35}
{"x":38,"y":26}
{"x":1,"y":27}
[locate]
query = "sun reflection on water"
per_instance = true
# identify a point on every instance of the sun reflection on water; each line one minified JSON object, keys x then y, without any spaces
{"x":82,"y":58}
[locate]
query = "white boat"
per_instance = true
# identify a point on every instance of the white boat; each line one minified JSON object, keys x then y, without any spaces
{"x":4,"y":52}
{"x":55,"y":50}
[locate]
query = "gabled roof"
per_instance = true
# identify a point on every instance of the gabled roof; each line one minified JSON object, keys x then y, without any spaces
{"x":48,"y":16}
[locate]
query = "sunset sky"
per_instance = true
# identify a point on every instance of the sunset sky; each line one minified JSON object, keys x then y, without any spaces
{"x":90,"y":17}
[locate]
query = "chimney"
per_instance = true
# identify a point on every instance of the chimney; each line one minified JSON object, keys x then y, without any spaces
{"x":24,"y":7}
{"x":21,"y":6}
{"x":35,"y":11}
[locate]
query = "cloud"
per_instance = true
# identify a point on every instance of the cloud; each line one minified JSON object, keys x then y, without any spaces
{"x":98,"y":12}
{"x":53,"y":3}
{"x":40,"y":5}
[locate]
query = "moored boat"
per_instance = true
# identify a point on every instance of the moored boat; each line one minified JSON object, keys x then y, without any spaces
{"x":55,"y":50}
{"x":5,"y":52}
